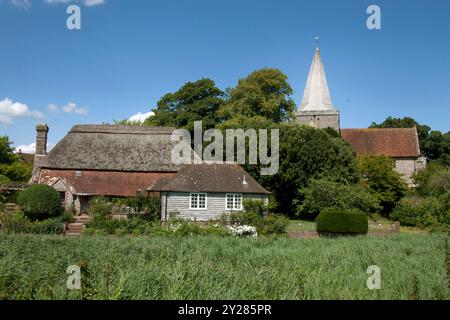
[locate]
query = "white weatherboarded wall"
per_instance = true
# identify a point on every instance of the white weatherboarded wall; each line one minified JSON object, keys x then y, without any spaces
{"x":178,"y":202}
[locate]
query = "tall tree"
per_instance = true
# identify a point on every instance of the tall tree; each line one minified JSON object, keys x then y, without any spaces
{"x":199,"y":100}
{"x":6,"y":151}
{"x":379,"y":176}
{"x":265,"y":93}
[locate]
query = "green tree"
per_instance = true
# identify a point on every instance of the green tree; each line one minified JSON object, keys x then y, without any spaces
{"x":379,"y":176}
{"x":434,"y":180}
{"x":265,"y":93}
{"x":324,"y":193}
{"x":307,"y":153}
{"x":6,"y":151}
{"x":199,"y":100}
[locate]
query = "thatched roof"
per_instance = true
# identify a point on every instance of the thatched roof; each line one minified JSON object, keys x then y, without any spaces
{"x":113,"y":147}
{"x":210,"y":178}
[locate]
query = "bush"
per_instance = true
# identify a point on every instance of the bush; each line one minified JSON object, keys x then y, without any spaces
{"x":434,"y":180}
{"x":18,"y":223}
{"x":424,"y":212}
{"x":273,"y":224}
{"x":342,"y":221}
{"x":327,"y":194}
{"x":40,"y":202}
{"x":4,"y":179}
{"x":100,"y":208}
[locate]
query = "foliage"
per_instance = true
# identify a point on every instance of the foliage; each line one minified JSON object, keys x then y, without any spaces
{"x":327,"y":194}
{"x":4,"y":179}
{"x":18,"y":223}
{"x":433,"y":180}
{"x":6,"y":151}
{"x":378,"y":176}
{"x":40,"y":202}
{"x":434,"y":144}
{"x":342,"y":221}
{"x":426,"y":212}
{"x":255,"y":215}
{"x":139,"y":268}
{"x":147,"y":208}
{"x":264,"y":93}
{"x":305,"y":153}
{"x":100,"y":208}
{"x":17,"y":171}
{"x":194,"y":101}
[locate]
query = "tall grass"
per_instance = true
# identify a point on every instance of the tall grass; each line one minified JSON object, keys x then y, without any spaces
{"x":34,"y":267}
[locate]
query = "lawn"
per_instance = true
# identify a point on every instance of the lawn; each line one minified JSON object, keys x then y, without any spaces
{"x":34,"y":267}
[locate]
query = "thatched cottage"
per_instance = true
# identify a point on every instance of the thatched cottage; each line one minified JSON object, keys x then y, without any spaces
{"x":123,"y":161}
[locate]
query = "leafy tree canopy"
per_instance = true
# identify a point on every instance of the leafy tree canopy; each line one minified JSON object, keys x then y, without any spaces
{"x":6,"y":151}
{"x":265,"y":93}
{"x":378,"y":176}
{"x":199,"y":100}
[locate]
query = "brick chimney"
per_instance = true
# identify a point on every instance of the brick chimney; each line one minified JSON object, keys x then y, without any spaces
{"x":41,"y":139}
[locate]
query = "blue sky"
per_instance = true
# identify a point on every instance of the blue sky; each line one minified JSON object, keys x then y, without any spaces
{"x":130,"y":53}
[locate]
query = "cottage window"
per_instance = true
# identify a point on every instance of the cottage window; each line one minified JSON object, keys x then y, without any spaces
{"x":234,"y":201}
{"x":198,"y":201}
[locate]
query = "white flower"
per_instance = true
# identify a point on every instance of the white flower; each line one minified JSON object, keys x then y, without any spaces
{"x":244,"y":230}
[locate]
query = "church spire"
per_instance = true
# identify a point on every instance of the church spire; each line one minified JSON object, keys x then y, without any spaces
{"x":316,"y":96}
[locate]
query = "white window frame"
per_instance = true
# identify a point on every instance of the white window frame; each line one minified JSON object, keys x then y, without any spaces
{"x":234,"y":196}
{"x":198,"y":201}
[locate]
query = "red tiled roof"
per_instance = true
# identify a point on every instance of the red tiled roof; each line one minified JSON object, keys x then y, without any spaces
{"x":392,"y":142}
{"x":107,"y":183}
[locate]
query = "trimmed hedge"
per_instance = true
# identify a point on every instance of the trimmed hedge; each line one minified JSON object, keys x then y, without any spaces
{"x":342,"y":221}
{"x":40,"y":202}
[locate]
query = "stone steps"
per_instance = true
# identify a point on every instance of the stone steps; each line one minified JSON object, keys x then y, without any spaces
{"x":76,"y":228}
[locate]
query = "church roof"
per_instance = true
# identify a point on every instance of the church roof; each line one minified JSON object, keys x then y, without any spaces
{"x":113,"y":147}
{"x":316,"y":96}
{"x":392,"y":142}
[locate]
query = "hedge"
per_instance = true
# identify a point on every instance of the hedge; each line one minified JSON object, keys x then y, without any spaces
{"x":342,"y":221}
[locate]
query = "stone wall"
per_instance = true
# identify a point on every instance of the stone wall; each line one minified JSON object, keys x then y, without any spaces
{"x":319,"y":119}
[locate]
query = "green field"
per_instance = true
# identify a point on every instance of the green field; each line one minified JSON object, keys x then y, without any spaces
{"x":412,"y":267}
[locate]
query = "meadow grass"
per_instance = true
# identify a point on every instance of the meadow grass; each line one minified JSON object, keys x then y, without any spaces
{"x":34,"y":267}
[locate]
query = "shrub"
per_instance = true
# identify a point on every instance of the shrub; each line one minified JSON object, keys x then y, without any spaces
{"x":342,"y":221}
{"x":326,"y":194}
{"x":40,"y":202}
{"x":4,"y":179}
{"x":424,"y":211}
{"x":434,"y":180}
{"x":273,"y":224}
{"x":100,"y":207}
{"x":18,"y":223}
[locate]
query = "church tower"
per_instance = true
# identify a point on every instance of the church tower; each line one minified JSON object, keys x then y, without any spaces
{"x":316,"y":109}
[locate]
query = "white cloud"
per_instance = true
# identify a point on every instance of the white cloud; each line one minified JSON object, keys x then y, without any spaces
{"x":24,"y":4}
{"x":91,"y":3}
{"x":71,"y":107}
{"x":31,"y":148}
{"x":10,"y":110}
{"x":88,"y":3}
{"x":140,"y":117}
{"x":53,"y":108}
